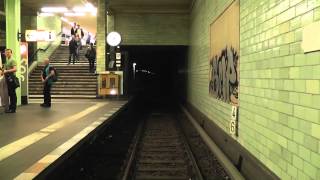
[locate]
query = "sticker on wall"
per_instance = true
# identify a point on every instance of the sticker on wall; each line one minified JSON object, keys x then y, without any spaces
{"x":311,"y":41}
{"x":233,"y":127}
{"x":234,"y":121}
{"x":224,"y":55}
{"x":234,"y":113}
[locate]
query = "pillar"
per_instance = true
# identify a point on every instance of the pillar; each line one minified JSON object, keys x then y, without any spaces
{"x":101,"y":39}
{"x":110,"y":23}
{"x":12,"y":9}
{"x":101,"y":35}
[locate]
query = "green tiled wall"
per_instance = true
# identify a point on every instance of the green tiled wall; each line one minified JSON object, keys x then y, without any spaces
{"x":48,"y":23}
{"x":101,"y":36}
{"x":153,"y":29}
{"x":202,"y":15}
{"x":279,"y":121}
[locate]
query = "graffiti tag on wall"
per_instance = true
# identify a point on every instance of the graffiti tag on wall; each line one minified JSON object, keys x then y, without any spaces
{"x":224,"y":80}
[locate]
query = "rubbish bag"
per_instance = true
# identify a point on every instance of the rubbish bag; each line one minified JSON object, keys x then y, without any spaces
{"x":4,"y":98}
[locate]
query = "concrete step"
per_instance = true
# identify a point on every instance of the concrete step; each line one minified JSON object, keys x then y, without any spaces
{"x":40,"y":97}
{"x":64,"y":93}
{"x":66,"y":86}
{"x":35,"y":80}
{"x":68,"y":78}
{"x":75,"y":80}
{"x":65,"y":89}
{"x":67,"y":71}
{"x":77,"y":73}
{"x":65,"y":66}
{"x":66,"y":83}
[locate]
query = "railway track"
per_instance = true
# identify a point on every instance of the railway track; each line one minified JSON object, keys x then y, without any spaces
{"x":153,"y":144}
{"x":161,"y":152}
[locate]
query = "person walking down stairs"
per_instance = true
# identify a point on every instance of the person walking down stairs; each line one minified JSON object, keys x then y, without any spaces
{"x":74,"y":80}
{"x":91,"y":56}
{"x":72,"y":50}
{"x":78,"y":47}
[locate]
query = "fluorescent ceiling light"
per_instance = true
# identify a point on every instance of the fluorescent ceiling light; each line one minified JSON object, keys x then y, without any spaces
{"x":88,"y":7}
{"x":75,"y":14}
{"x":81,"y":9}
{"x":46,"y":14}
{"x":54,"y":9}
{"x":94,"y":13}
{"x":66,"y":21}
{"x":84,"y":9}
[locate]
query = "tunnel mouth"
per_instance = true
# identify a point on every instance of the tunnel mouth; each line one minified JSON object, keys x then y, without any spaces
{"x":156,"y":69}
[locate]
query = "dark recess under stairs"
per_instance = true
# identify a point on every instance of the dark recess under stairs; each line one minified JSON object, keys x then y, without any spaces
{"x":75,"y":81}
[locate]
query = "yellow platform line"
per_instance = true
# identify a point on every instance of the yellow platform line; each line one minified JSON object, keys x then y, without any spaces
{"x":28,"y":140}
{"x":48,"y":159}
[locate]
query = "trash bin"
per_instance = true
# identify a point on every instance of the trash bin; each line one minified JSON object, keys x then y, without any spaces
{"x":4,"y":99}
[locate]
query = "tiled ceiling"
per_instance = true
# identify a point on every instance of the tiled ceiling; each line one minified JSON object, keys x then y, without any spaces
{"x":33,"y":6}
{"x":150,"y":5}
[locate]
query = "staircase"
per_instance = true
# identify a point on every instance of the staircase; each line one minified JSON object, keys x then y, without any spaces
{"x":74,"y":81}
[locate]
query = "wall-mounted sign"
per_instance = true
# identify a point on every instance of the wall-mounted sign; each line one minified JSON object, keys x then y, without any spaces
{"x":234,"y":121}
{"x":310,"y":39}
{"x":39,"y":35}
{"x":233,"y":127}
{"x":234,"y":113}
{"x":224,"y":55}
{"x":24,"y":72}
{"x":118,"y":56}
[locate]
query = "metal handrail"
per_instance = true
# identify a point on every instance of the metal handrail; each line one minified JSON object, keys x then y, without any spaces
{"x":31,"y":59}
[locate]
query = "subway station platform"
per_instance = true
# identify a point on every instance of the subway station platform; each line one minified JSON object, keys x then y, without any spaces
{"x":34,"y":137}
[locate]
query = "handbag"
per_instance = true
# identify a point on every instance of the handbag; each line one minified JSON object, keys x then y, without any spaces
{"x":12,"y":81}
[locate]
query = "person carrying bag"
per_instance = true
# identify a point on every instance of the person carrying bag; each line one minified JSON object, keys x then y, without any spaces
{"x":48,"y":77}
{"x":10,"y":69}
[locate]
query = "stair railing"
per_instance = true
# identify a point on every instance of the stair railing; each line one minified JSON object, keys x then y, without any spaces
{"x":32,"y":62}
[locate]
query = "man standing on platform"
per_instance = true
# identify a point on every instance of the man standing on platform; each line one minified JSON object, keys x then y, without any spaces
{"x":46,"y":77}
{"x":10,"y":69}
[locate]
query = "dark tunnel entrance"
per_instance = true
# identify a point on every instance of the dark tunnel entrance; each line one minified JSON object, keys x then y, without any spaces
{"x":157,"y":70}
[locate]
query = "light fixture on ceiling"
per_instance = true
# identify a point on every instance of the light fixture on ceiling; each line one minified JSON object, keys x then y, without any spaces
{"x":73,"y":14}
{"x":80,"y":9}
{"x":54,"y":9}
{"x":94,"y":13}
{"x":66,"y":21}
{"x":87,"y":8}
{"x":45,"y":14}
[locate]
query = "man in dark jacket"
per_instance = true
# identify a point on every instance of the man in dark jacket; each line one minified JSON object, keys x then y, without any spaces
{"x":72,"y":50}
{"x":73,"y":29}
{"x":91,"y":55}
{"x":46,"y":78}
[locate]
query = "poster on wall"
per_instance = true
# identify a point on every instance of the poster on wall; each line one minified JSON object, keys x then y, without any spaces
{"x":24,"y":72}
{"x":224,"y":55}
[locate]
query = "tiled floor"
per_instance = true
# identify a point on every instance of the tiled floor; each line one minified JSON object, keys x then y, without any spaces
{"x":34,"y":137}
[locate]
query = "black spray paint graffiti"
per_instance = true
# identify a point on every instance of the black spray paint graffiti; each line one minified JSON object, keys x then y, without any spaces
{"x":224,"y":80}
